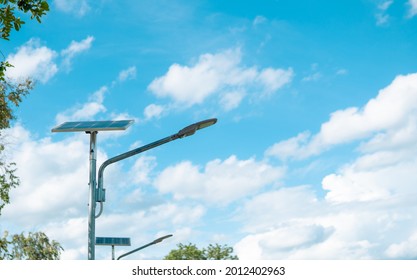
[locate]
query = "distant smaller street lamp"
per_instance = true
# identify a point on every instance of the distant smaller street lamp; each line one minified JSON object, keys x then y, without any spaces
{"x":113,"y":241}
{"x":158,"y":240}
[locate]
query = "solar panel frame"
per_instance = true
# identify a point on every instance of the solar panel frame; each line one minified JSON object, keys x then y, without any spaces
{"x":89,"y":126}
{"x":113,"y":241}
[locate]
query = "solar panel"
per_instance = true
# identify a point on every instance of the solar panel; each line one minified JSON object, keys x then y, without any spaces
{"x":113,"y":241}
{"x":93,"y":126}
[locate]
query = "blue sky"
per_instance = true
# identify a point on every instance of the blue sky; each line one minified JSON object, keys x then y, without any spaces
{"x":313,"y":155}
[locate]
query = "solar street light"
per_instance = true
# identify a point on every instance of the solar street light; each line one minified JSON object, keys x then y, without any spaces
{"x":97,"y":194}
{"x":113,"y":241}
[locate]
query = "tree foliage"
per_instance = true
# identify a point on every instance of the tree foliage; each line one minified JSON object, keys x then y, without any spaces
{"x":12,"y":93}
{"x":9,"y":9}
{"x":191,"y":252}
{"x":217,"y":252}
{"x":34,"y":246}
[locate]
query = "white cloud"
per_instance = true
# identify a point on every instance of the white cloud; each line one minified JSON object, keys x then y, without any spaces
{"x":214,"y":74}
{"x":381,"y":16}
{"x":385,"y":5}
{"x":32,"y":60}
{"x":393,"y":108}
{"x":153,"y":111}
{"x":74,"y":49}
{"x":382,"y":172}
{"x":413,"y":8}
{"x":290,"y":147}
{"x":231,"y":100}
{"x":280,"y":243}
{"x":220,"y":182}
{"x":191,"y":85}
{"x":71,"y":233}
{"x":404,"y":250}
{"x":273,"y":79}
{"x":60,"y":192}
{"x":294,"y":223}
{"x":292,"y":204}
{"x":76,"y":7}
{"x":127,"y":74}
{"x":85,"y":111}
{"x":141,"y":169}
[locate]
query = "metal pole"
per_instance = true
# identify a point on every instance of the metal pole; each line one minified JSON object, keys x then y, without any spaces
{"x":92,"y":199}
{"x":112,"y":252}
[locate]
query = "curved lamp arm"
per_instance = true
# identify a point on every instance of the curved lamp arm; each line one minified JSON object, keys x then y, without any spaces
{"x":144,"y":246}
{"x":186,"y":131}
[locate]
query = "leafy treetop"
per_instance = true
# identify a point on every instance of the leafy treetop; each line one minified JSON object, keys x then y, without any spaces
{"x":191,"y":252}
{"x":34,"y":246}
{"x":8,"y":19}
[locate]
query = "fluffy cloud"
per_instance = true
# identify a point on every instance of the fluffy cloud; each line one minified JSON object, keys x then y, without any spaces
{"x":32,"y":60}
{"x":35,"y":61}
{"x":220,"y":182}
{"x":87,"y":110}
{"x":404,"y":250}
{"x":294,"y":223}
{"x":280,"y":243}
{"x":231,"y":100}
{"x":393,"y":108}
{"x":217,"y":74}
{"x":127,"y":74}
{"x":74,"y":49}
{"x":260,"y":213}
{"x":153,"y":111}
{"x":377,"y":183}
{"x":289,"y":148}
{"x":61,"y":192}
{"x":140,"y":170}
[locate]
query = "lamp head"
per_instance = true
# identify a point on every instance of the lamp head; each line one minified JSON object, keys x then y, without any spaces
{"x":160,"y":239}
{"x":191,"y":129}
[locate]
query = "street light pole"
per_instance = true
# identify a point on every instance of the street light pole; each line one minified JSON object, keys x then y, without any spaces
{"x":92,"y":198}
